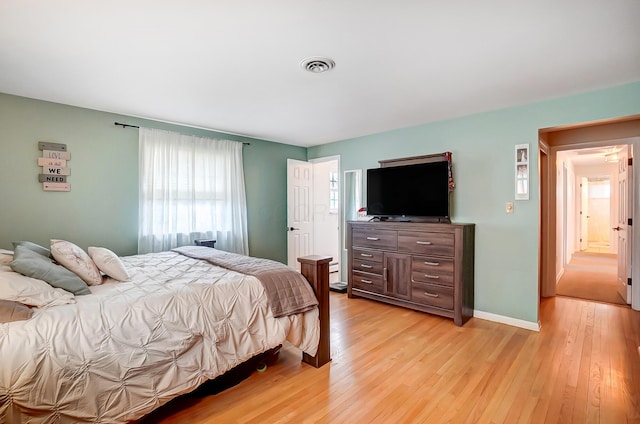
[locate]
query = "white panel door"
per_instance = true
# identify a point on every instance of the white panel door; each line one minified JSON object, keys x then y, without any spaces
{"x":299,"y":211}
{"x":622,"y":229}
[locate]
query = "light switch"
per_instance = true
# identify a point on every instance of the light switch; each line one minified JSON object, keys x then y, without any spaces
{"x":508,"y":207}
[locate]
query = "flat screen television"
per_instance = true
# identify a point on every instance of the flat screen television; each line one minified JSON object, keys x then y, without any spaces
{"x":409,"y":192}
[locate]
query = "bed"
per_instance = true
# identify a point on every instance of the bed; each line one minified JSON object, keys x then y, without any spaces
{"x":181,"y":318}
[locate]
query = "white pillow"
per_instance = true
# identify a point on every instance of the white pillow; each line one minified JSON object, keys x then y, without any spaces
{"x":76,"y":260}
{"x":109,"y":263}
{"x":30,"y":291}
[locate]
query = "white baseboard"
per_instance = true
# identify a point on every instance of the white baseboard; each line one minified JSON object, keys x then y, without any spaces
{"x":528,"y":325}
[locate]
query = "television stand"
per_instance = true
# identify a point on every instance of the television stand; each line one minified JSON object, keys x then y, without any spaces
{"x":424,"y":266}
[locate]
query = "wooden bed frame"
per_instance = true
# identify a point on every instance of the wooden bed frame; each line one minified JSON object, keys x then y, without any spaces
{"x":315,"y":269}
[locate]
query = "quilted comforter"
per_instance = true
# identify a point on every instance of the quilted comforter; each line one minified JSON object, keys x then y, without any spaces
{"x":129,"y":347}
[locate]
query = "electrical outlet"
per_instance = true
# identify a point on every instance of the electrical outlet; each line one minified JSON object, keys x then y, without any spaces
{"x":508,"y":207}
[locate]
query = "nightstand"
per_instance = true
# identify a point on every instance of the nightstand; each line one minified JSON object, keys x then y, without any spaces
{"x":206,"y":243}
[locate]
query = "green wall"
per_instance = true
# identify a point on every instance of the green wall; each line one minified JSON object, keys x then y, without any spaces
{"x":102,"y":207}
{"x":506,"y":273}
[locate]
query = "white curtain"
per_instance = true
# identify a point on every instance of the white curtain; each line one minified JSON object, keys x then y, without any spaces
{"x":190,"y":188}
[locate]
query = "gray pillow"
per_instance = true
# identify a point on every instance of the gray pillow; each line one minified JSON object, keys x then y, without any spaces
{"x":34,"y":265}
{"x":33,"y":247}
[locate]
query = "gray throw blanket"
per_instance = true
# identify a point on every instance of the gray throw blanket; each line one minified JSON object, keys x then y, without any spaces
{"x":287,"y":290}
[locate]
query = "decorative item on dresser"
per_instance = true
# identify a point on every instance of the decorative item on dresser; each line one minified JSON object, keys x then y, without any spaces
{"x":427,"y":267}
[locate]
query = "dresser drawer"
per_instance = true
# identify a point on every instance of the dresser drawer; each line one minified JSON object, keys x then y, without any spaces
{"x":369,"y":282}
{"x":367,"y":255}
{"x":376,"y":239}
{"x":432,"y":295}
{"x":432,"y":270}
{"x":367,"y":266}
{"x":439,"y":244}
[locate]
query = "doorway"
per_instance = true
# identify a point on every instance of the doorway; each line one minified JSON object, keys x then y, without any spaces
{"x":589,"y":205}
{"x":552,"y":141}
{"x":313,"y":211}
{"x":597,"y":229}
{"x":589,"y":209}
{"x":326,"y":212}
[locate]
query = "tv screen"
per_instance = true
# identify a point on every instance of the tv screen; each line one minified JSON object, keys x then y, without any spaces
{"x":420,"y":190}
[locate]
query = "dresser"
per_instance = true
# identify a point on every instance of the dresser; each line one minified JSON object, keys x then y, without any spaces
{"x":427,"y":267}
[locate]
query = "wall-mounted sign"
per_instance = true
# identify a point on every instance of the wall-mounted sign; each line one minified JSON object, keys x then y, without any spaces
{"x":55,"y":170}
{"x":56,"y":186}
{"x":59,"y":163}
{"x":44,"y":145}
{"x":54,"y":154}
{"x":48,"y":178}
{"x":54,"y":166}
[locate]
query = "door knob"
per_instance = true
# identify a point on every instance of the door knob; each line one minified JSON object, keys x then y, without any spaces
{"x":292,"y":229}
{"x":617,"y":228}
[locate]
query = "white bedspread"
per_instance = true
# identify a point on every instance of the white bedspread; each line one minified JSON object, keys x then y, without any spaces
{"x":129,"y":347}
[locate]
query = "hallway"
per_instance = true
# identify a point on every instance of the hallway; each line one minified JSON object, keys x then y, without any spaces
{"x":591,"y":275}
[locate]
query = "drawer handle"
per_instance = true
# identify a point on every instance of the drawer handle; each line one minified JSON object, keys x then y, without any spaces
{"x":432,"y":276}
{"x":366,"y":255}
{"x":366,"y":281}
{"x":373,"y":238}
{"x":431,"y":294}
{"x":424,"y":242}
{"x":366,"y":266}
{"x":432,"y":263}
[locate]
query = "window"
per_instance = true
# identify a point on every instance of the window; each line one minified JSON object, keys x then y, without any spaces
{"x":599,"y":188}
{"x":190,"y":188}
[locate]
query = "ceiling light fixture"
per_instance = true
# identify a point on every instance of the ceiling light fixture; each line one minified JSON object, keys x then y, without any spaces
{"x":611,"y":154}
{"x":611,"y":157}
{"x":317,"y":65}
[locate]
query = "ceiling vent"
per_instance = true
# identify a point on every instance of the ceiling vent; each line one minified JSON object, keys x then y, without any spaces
{"x":317,"y":65}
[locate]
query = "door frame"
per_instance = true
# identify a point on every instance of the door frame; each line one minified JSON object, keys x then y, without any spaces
{"x":335,"y":158}
{"x":623,"y":130}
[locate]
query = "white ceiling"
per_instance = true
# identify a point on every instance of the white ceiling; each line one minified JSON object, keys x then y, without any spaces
{"x":233,"y":65}
{"x":595,"y":156}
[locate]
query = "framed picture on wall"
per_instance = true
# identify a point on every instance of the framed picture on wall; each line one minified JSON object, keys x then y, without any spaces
{"x":522,"y":172}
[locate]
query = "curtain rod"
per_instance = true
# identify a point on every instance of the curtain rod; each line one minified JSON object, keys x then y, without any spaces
{"x":135,"y":126}
{"x":125,"y":125}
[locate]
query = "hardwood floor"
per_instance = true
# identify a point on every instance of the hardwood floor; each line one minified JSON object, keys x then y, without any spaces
{"x":391,"y":365}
